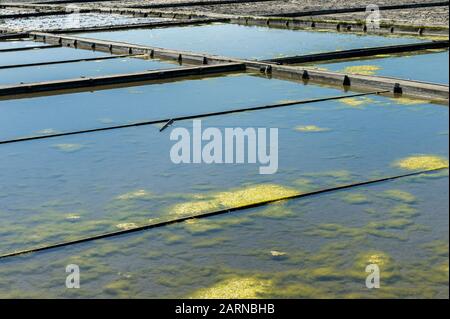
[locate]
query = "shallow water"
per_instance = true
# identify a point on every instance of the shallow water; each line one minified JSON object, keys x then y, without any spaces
{"x":148,"y":102}
{"x":47,"y":55}
{"x":79,"y":69}
{"x":13,"y":44}
{"x":312,"y":251}
{"x":246,"y":42}
{"x":65,"y":188}
{"x":85,"y":184}
{"x":424,"y":67}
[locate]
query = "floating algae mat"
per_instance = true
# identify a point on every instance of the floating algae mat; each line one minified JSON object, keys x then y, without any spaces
{"x":46,"y":55}
{"x":428,"y":67}
{"x":313,"y":252}
{"x":148,"y":102}
{"x":79,"y":69}
{"x":67,"y":21}
{"x":246,"y":42}
{"x":88,"y":184}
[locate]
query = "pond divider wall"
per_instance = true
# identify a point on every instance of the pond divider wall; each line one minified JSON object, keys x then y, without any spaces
{"x":37,"y":47}
{"x":2,"y":67}
{"x":155,"y":75}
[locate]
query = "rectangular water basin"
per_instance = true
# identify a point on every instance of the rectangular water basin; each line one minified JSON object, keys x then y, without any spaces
{"x":47,"y":55}
{"x":89,"y":110}
{"x":17,"y":44}
{"x":245,"y":41}
{"x":407,"y":237}
{"x":430,"y":67}
{"x":79,"y":69}
{"x":104,"y":180}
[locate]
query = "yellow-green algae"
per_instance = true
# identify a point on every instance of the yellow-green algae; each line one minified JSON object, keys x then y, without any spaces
{"x":275,"y":211}
{"x":172,"y":239}
{"x":233,"y":198}
{"x":311,"y":129}
{"x":422,"y":162}
{"x":338,"y":176}
{"x":388,"y":269}
{"x":408,"y":101}
{"x":403,"y":210}
{"x":211,"y":242}
{"x":356,"y":102}
{"x":356,"y":199}
{"x":438,"y":248}
{"x":236,"y":288}
{"x":121,"y":288}
{"x":205,"y":226}
{"x":362,"y":69}
{"x":303,"y":184}
{"x":376,"y":229}
{"x":398,"y":195}
{"x":400,"y":223}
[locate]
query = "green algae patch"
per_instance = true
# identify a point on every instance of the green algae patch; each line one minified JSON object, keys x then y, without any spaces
{"x":356,"y":199}
{"x":172,"y":239}
{"x":407,"y":101}
{"x":422,"y":162}
{"x":398,"y":195}
{"x":301,"y":290}
{"x":389,"y":270}
{"x":379,"y":258}
{"x":403,"y":210}
{"x":362,"y":69}
{"x":201,"y":227}
{"x":120,"y":288}
{"x":303,"y":184}
{"x":211,"y":242}
{"x":206,"y":226}
{"x":400,"y":223}
{"x":275,"y":211}
{"x":335,"y":231}
{"x":338,"y":176}
{"x":236,"y":288}
{"x":235,"y":198}
{"x":380,"y":229}
{"x":311,"y":129}
{"x":356,"y":102}
{"x":438,"y":248}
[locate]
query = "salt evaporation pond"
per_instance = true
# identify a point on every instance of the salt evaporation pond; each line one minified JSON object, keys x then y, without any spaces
{"x":247,"y":42}
{"x":79,"y":69}
{"x":421,"y":67}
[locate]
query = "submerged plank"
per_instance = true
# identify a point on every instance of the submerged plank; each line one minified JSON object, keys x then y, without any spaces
{"x":120,"y":78}
{"x":363,"y":52}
